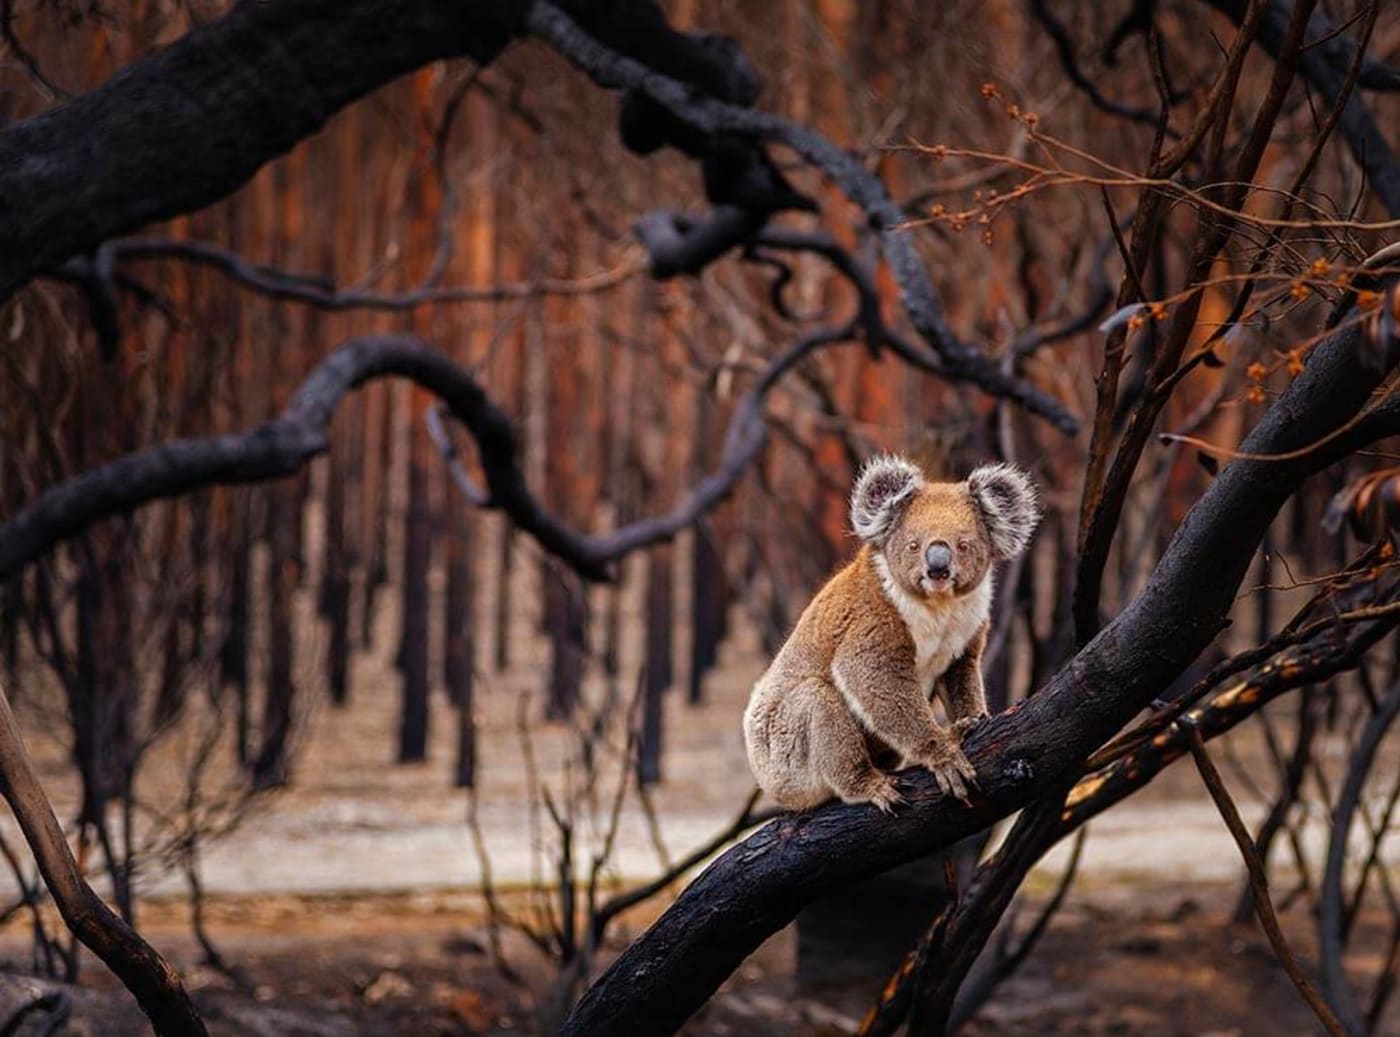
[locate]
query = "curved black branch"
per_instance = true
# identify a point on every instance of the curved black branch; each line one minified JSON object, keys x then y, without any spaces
{"x":678,"y":244}
{"x":758,"y":886}
{"x":282,"y":446}
{"x":710,"y":116}
{"x":591,"y":554}
{"x":313,"y":290}
{"x":1064,"y":49}
{"x":191,"y":123}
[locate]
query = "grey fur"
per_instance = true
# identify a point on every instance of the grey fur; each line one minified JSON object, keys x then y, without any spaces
{"x":885,"y":484}
{"x":1007,"y":500}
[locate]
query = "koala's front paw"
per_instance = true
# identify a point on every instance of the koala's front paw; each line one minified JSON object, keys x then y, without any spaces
{"x":951,"y":769}
{"x":966,"y":724}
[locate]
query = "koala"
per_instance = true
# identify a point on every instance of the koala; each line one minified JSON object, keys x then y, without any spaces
{"x":850,"y":693}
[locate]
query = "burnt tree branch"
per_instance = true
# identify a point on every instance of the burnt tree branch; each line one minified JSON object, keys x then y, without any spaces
{"x":592,"y":554}
{"x":1331,"y":911}
{"x":282,"y":446}
{"x":1361,"y":603}
{"x":144,"y":972}
{"x":314,"y":291}
{"x":1259,"y":880}
{"x":193,"y":122}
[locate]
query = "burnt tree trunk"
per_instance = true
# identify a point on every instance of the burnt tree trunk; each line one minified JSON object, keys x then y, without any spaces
{"x":11,"y":609}
{"x":565,"y":478}
{"x":233,"y":649}
{"x":505,"y":559}
{"x":271,"y":766}
{"x":460,"y":530}
{"x":413,"y":645}
{"x":334,"y":598}
{"x":657,"y":674}
{"x":708,"y":602}
{"x":424,"y":202}
{"x":565,"y":626}
{"x":458,"y":640}
{"x":374,"y":505}
{"x":101,"y":700}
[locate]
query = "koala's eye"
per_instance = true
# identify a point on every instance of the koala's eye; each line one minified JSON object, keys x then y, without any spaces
{"x":913,"y":545}
{"x":964,"y":544}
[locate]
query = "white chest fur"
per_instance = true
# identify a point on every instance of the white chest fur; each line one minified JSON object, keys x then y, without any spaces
{"x":941,"y":630}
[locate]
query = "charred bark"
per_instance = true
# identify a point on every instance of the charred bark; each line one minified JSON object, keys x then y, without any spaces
{"x":413,"y":644}
{"x":271,"y":765}
{"x":657,"y":672}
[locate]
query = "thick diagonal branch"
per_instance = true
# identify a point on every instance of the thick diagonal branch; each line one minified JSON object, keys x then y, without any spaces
{"x":1361,"y":610}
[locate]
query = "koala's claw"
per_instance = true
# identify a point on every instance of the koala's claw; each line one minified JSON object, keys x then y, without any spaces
{"x":886,"y":798}
{"x":966,"y":724}
{"x":954,"y":774}
{"x":951,"y":783}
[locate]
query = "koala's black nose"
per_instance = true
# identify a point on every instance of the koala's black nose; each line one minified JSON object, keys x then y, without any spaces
{"x":939,"y":560}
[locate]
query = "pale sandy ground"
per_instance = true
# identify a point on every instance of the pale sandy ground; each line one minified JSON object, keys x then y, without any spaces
{"x":355,"y":822}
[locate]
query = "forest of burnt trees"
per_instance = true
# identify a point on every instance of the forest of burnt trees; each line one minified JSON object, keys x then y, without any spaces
{"x":535,"y":346}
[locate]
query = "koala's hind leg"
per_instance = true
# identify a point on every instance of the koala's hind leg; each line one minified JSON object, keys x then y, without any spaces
{"x":839,"y":753}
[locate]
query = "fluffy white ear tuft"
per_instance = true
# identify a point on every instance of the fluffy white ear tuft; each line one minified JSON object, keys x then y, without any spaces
{"x":886,"y":483}
{"x":1007,"y":500}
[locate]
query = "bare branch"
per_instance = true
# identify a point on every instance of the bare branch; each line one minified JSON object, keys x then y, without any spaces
{"x":1259,"y":880}
{"x":591,"y":554}
{"x":1330,"y":915}
{"x":1064,"y":49}
{"x":312,"y":290}
{"x":145,"y":973}
{"x":191,"y":123}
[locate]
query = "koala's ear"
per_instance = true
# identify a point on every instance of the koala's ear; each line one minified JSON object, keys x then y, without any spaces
{"x":1006,"y":498}
{"x":885,"y":485}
